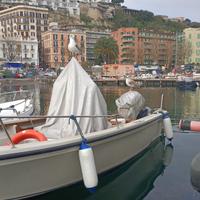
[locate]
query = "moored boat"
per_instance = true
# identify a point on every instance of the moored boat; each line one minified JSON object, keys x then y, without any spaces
{"x":14,"y":105}
{"x":70,"y":152}
{"x":186,"y":83}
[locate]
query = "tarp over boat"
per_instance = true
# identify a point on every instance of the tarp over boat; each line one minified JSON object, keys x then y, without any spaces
{"x":75,"y":93}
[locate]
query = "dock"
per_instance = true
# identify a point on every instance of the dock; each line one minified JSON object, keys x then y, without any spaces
{"x":141,"y":82}
{"x":101,"y":82}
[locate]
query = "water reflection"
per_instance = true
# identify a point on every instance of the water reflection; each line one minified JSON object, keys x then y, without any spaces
{"x":133,"y":180}
{"x":180,"y":104}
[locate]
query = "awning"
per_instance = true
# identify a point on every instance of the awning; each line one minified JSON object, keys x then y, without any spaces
{"x":14,"y":65}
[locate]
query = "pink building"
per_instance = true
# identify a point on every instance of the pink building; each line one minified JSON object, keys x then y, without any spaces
{"x":117,"y":70}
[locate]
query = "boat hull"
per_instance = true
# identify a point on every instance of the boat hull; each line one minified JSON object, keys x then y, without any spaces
{"x":29,"y":171}
{"x":183,"y":85}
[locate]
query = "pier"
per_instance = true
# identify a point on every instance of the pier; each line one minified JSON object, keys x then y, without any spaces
{"x":141,"y":82}
{"x":102,"y":82}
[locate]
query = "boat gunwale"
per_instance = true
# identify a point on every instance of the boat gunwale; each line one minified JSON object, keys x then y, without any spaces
{"x":25,"y":150}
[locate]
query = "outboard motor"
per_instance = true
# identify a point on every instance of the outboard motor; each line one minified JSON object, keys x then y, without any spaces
{"x":130,"y":104}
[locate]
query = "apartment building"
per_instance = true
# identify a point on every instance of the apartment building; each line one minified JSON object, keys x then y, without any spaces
{"x":16,"y":49}
{"x":25,"y":24}
{"x":55,"y":47}
{"x":27,"y":21}
{"x":91,"y":38}
{"x":192,"y":45}
{"x":157,"y":47}
{"x":145,"y":46}
{"x":71,"y":6}
{"x":127,"y":41}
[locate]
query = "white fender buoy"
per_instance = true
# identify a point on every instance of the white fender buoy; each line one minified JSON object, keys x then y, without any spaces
{"x":88,"y":167}
{"x":167,"y":126}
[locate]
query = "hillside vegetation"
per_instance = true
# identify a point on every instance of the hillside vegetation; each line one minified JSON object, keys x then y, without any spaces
{"x":141,"y":19}
{"x":145,"y":19}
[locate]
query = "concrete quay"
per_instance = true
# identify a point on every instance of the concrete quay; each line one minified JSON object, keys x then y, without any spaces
{"x":102,"y":82}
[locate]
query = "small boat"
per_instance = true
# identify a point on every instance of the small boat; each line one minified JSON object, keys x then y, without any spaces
{"x":17,"y":103}
{"x":74,"y":147}
{"x":186,"y":83}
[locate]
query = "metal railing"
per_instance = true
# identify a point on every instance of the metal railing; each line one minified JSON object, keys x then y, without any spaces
{"x":72,"y":117}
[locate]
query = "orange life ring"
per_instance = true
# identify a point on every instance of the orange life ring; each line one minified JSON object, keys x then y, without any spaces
{"x":28,"y":134}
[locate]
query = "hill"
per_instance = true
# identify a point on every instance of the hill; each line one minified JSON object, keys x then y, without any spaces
{"x":113,"y":16}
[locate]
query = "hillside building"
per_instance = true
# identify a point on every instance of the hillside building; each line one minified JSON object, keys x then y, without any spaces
{"x":23,"y":24}
{"x":71,"y":6}
{"x":192,"y":45}
{"x":146,"y":47}
{"x":127,"y":41}
{"x":91,"y":38}
{"x":55,"y":47}
{"x":157,"y":47}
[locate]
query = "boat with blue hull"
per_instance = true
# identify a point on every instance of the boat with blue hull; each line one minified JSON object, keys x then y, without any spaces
{"x":186,"y":83}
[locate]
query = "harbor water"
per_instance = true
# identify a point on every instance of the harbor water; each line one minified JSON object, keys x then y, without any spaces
{"x":161,"y":172}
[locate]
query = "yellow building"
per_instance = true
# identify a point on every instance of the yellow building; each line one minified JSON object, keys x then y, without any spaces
{"x":192,"y":45}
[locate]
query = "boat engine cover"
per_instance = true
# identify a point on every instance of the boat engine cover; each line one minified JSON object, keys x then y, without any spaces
{"x":130,"y":104}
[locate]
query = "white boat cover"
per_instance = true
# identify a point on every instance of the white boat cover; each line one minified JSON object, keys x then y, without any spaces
{"x":74,"y":92}
{"x":130,"y":104}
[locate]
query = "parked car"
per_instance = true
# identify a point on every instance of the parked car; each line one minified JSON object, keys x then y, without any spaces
{"x":19,"y":75}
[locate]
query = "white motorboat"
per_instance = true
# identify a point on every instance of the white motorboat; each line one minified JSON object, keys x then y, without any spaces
{"x":69,"y":153}
{"x":17,"y":106}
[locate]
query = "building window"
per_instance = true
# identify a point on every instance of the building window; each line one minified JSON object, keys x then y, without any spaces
{"x":198,"y":44}
{"x":55,"y":36}
{"x":198,"y":52}
{"x":32,"y":20}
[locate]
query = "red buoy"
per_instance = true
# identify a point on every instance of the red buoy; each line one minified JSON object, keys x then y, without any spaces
{"x":189,"y":125}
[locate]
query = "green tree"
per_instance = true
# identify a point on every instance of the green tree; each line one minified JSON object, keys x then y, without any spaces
{"x":106,"y":50}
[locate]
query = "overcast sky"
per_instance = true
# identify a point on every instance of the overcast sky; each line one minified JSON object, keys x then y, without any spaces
{"x":173,"y":8}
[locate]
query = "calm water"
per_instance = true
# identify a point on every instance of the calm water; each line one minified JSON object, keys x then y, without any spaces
{"x":162,"y":172}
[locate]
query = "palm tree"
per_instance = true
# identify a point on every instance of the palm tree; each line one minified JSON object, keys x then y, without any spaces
{"x":106,"y":51}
